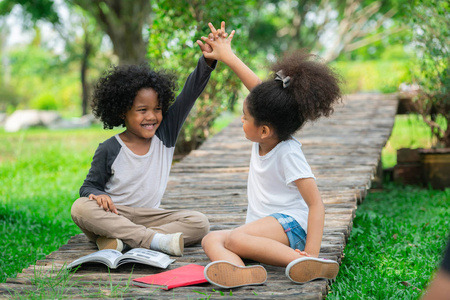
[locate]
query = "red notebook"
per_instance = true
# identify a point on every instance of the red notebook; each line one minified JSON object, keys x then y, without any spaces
{"x":182,"y":276}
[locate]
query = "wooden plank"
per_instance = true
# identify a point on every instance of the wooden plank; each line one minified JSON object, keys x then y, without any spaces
{"x":344,"y":152}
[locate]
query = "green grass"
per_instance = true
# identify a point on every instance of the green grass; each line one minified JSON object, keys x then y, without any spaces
{"x":57,"y":284}
{"x":395,"y":245}
{"x":409,"y":131}
{"x":373,"y":75}
{"x":41,"y":172}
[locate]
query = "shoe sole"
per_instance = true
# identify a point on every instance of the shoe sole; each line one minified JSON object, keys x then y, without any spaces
{"x":228,"y":275}
{"x":306,"y":269}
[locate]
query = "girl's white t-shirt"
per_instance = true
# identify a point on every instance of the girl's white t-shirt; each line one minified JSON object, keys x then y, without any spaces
{"x":271,"y":187}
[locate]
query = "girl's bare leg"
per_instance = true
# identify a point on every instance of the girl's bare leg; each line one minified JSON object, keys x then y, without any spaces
{"x":214,"y":246}
{"x":263,"y":240}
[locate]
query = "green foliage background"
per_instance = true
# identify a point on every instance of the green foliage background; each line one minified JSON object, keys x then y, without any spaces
{"x":176,"y":27}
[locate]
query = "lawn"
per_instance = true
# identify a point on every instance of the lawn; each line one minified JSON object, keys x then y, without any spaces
{"x":395,"y":245}
{"x":41,"y":172}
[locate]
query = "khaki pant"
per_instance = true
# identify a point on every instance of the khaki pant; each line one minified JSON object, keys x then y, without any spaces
{"x":136,"y":226}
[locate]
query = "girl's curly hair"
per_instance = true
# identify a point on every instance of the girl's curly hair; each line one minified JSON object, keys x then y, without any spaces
{"x":312,"y":91}
{"x":116,"y":89}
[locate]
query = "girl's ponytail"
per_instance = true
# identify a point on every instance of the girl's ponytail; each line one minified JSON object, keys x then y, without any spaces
{"x":314,"y":85}
{"x":301,"y":89}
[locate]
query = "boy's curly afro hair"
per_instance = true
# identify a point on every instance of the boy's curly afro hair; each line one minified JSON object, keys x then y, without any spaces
{"x":311,"y":93}
{"x":116,"y":89}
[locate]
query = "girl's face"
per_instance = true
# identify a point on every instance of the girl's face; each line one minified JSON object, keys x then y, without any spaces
{"x":145,"y":116}
{"x":252,"y":132}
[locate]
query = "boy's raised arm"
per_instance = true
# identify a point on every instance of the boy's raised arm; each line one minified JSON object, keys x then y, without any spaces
{"x":221,"y":51}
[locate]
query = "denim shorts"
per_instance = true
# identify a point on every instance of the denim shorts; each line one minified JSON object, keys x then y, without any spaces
{"x":294,"y":232}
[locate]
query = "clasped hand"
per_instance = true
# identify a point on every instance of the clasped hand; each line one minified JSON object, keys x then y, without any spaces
{"x":218,"y":43}
{"x":105,"y":202}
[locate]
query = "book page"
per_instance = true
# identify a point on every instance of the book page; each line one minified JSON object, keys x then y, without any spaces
{"x":146,"y":256}
{"x":107,"y":256}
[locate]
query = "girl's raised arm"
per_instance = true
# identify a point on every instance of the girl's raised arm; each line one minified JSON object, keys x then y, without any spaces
{"x":221,"y":45}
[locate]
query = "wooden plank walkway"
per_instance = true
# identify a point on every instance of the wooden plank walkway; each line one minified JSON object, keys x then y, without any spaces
{"x":344,"y":152}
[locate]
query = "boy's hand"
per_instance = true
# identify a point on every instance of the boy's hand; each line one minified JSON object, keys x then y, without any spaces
{"x":105,"y":202}
{"x":206,"y":48}
{"x":220,"y":43}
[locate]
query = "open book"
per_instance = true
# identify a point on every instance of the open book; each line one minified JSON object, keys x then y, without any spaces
{"x":113,"y":258}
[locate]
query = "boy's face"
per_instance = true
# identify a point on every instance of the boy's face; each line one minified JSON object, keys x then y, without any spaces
{"x":145,"y":116}
{"x":252,"y":132}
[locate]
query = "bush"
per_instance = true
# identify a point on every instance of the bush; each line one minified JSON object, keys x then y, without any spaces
{"x":44,"y":101}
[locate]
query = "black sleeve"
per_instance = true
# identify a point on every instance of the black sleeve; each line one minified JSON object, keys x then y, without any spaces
{"x":178,"y":112}
{"x":100,"y":170}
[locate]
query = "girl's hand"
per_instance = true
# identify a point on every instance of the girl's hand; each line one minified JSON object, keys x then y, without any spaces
{"x":220,"y":43}
{"x":105,"y":202}
{"x":218,"y":33}
{"x":302,"y":253}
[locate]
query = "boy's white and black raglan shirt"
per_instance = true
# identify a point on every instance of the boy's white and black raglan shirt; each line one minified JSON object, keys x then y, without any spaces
{"x":141,"y":180}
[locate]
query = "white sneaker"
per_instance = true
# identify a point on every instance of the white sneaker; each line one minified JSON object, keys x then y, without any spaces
{"x":172,"y":244}
{"x":109,"y":243}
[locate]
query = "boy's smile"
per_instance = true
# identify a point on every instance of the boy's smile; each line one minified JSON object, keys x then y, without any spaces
{"x":145,"y":116}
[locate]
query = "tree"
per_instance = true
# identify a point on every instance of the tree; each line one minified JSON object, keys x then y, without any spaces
{"x":33,"y":9}
{"x":327,"y":27}
{"x":123,"y":22}
{"x":77,"y":48}
{"x":431,"y":22}
{"x":82,"y":48}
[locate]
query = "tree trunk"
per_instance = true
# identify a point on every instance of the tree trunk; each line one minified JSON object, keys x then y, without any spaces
{"x":84,"y":66}
{"x":123,"y":22}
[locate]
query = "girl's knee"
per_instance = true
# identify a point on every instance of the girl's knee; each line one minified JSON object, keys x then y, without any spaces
{"x":213,"y":238}
{"x":208,"y":239}
{"x":234,"y":239}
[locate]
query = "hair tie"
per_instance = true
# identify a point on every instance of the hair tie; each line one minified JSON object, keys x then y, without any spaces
{"x":279,"y":76}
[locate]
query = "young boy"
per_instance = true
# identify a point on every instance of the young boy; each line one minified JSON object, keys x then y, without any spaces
{"x":120,"y":197}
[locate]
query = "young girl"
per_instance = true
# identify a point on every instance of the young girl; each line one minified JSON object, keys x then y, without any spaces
{"x":121,"y":194}
{"x":285,"y":216}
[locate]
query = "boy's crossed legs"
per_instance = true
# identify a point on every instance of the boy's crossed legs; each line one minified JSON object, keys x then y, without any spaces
{"x":137,"y":227}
